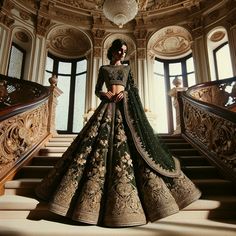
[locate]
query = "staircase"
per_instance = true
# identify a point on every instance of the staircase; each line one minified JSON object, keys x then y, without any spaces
{"x":214,"y":214}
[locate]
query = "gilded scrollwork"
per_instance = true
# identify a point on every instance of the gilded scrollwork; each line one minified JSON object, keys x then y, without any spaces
{"x":213,"y":132}
{"x":19,"y":134}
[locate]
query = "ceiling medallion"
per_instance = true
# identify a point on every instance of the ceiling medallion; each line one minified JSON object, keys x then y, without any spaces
{"x":217,"y":36}
{"x":120,"y":12}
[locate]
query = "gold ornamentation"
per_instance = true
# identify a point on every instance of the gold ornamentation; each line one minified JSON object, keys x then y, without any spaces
{"x":215,"y":133}
{"x":20,"y":133}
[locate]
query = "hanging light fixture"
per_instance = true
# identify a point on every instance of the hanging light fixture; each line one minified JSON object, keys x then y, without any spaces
{"x":120,"y":11}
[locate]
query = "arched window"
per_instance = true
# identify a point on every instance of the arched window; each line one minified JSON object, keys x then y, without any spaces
{"x":72,"y":81}
{"x":222,"y":61}
{"x":165,"y":71}
{"x":219,"y":54}
{"x":16,"y":62}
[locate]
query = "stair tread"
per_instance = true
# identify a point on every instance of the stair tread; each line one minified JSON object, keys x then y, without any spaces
{"x":25,"y":180}
{"x":16,"y":202}
{"x":222,"y":200}
{"x":57,"y":144}
{"x":170,"y":227}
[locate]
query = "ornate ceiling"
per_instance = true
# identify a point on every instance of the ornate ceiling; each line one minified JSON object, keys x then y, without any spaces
{"x":89,"y":11}
{"x":169,"y":24}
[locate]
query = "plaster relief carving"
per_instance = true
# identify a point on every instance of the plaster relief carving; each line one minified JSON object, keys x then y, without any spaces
{"x":172,"y":41}
{"x":68,"y":42}
{"x":22,"y":36}
{"x":24,"y":15}
{"x":217,"y":36}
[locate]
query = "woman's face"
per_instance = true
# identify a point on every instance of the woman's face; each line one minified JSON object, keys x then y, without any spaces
{"x":120,"y":54}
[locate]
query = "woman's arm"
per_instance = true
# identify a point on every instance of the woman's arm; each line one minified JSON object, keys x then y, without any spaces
{"x":100,"y":82}
{"x":130,"y":82}
{"x":98,"y":89}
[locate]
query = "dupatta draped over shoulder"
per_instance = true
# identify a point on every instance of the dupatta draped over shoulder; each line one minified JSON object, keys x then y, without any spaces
{"x":147,"y":143}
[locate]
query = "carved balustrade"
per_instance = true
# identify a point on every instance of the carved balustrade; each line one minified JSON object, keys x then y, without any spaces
{"x":208,"y":121}
{"x":27,"y":112}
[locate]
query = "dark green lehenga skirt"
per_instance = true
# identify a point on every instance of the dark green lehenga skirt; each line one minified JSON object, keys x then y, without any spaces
{"x":101,"y":179}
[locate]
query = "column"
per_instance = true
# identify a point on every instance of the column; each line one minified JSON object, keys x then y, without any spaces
{"x":145,"y":78}
{"x":5,"y":45}
{"x":231,"y":31}
{"x":38,"y":60}
{"x":94,"y":63}
{"x":201,"y":62}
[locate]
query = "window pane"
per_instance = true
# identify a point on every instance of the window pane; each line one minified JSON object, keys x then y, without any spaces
{"x":79,"y":105}
{"x":16,"y":62}
{"x":191,"y":79}
{"x":175,"y":68}
{"x":190,"y":65}
{"x":81,"y":66}
{"x":62,"y":109}
{"x":161,"y":104}
{"x":224,"y":62}
{"x":49,"y":64}
{"x":159,"y":67}
{"x":64,"y":68}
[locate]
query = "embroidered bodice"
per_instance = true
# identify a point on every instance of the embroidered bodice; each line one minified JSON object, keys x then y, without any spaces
{"x":112,"y":75}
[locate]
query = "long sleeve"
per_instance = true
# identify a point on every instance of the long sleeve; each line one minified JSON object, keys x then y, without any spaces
{"x":130,"y":83}
{"x":100,"y":82}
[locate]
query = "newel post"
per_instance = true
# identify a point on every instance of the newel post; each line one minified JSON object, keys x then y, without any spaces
{"x":55,"y":93}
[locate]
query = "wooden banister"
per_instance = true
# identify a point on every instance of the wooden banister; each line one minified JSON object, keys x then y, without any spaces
{"x":27,"y":112}
{"x":208,"y":122}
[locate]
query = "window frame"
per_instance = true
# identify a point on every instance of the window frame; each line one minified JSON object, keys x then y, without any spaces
{"x":217,"y":49}
{"x":73,"y":75}
{"x":23,"y":60}
{"x":167,"y":76}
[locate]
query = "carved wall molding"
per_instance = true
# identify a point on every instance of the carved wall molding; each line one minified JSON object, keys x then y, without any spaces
{"x":22,"y":36}
{"x":43,"y":24}
{"x":25,"y":15}
{"x":170,"y":42}
{"x":68,"y":41}
{"x":6,"y":20}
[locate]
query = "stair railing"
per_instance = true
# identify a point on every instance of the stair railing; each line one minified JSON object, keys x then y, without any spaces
{"x":27,"y":120}
{"x":208,"y":122}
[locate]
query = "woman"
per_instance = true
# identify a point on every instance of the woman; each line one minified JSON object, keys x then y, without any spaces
{"x":116,"y":173}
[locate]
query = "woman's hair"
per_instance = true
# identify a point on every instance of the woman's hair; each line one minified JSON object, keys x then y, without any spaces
{"x":116,"y":45}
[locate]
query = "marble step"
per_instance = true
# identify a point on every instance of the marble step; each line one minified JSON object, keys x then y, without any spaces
{"x":18,"y":207}
{"x":218,"y":187}
{"x":163,"y":227}
{"x":184,"y":160}
{"x":191,"y":171}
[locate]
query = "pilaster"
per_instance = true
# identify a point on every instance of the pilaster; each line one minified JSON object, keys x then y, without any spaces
{"x":199,"y":50}
{"x":231,"y":32}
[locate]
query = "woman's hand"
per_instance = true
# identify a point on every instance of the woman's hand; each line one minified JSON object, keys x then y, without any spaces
{"x":113,"y":97}
{"x":108,"y":95}
{"x":118,"y":97}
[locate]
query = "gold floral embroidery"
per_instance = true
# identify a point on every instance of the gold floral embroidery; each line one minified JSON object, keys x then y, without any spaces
{"x":123,"y":203}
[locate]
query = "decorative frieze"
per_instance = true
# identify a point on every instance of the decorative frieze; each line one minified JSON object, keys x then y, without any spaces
{"x":42,"y":25}
{"x":6,"y":20}
{"x":22,"y":36}
{"x":25,"y":15}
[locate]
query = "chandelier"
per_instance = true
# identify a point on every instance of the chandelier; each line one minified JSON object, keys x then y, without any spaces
{"x":120,"y":11}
